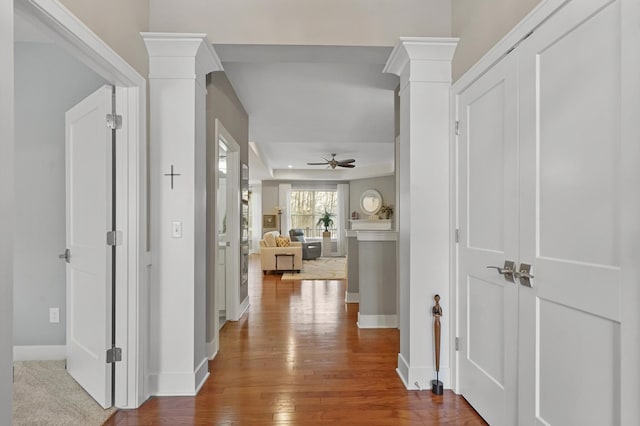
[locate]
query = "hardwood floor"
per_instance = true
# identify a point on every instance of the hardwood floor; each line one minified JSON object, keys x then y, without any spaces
{"x":298,"y":358}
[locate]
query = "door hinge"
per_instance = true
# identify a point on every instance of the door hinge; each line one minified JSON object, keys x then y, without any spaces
{"x":114,"y":238}
{"x":457,"y":343}
{"x":457,"y":128}
{"x":114,"y":121}
{"x":114,"y":355}
{"x":457,"y":236}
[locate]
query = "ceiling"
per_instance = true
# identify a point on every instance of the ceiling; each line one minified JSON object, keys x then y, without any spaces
{"x":306,"y":102}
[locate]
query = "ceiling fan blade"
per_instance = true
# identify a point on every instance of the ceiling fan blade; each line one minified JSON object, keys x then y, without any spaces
{"x":351,"y":160}
{"x":316,"y":164}
{"x":350,"y":166}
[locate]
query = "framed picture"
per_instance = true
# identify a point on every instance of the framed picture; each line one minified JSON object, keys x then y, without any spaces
{"x":269,"y":221}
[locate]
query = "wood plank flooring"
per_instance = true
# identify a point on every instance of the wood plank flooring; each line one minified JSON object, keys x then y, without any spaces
{"x":298,"y":358}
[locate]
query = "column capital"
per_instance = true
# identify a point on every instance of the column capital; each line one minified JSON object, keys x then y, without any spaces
{"x":422,"y":59}
{"x":180,"y":55}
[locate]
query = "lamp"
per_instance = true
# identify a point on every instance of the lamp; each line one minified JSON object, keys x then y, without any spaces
{"x":279,"y":210}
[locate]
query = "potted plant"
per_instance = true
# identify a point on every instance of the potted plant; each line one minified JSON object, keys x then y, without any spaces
{"x":386,"y":211}
{"x":326,"y":221}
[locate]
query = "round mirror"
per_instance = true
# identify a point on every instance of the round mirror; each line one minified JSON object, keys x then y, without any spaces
{"x":370,"y":202}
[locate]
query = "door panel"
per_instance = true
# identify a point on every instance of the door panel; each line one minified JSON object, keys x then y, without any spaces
{"x":488,"y":218}
{"x":88,"y":202}
{"x":569,"y":224}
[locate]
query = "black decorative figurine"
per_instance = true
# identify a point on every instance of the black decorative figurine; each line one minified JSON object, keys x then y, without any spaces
{"x":436,"y":385}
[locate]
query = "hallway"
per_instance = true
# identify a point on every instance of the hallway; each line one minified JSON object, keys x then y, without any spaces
{"x":298,"y":358}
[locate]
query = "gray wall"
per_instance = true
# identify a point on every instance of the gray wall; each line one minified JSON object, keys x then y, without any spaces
{"x":378,"y":288}
{"x":223,"y":104}
{"x":480,"y":25}
{"x":386,"y":185}
{"x":7,"y":210}
{"x":47,"y":82}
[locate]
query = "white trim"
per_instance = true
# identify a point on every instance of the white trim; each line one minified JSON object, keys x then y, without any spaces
{"x":529,"y":23}
{"x":234,"y":307}
{"x":201,"y":374}
{"x":244,"y":307}
{"x":39,"y":352}
{"x":377,"y":321}
{"x":132,"y":302}
{"x":351,"y":297}
{"x":213,"y":347}
{"x":67,"y":29}
{"x":420,"y":378}
{"x":403,"y":370}
{"x":377,"y":235}
{"x":180,"y":384}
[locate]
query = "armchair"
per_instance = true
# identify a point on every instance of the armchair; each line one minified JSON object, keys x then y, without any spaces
{"x":311,"y":250}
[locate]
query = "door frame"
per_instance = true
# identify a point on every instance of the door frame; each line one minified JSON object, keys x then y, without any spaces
{"x":629,"y":206}
{"x":233,"y":225}
{"x":131,"y":214}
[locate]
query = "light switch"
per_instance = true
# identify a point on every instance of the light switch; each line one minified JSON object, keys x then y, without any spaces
{"x":176,"y":229}
{"x":54,"y":315}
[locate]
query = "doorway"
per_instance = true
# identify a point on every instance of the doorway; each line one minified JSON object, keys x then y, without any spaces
{"x":73,"y":39}
{"x":224,"y":235}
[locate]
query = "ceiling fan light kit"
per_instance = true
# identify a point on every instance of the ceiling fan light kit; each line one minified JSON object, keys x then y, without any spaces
{"x":333,"y":163}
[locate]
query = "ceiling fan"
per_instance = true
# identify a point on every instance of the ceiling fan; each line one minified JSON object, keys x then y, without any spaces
{"x":333,"y":163}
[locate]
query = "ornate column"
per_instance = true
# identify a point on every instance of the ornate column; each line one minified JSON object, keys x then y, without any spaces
{"x":178,"y":65}
{"x":424,"y":67}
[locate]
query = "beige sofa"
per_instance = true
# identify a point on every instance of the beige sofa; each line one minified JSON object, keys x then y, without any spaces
{"x":268,"y":257}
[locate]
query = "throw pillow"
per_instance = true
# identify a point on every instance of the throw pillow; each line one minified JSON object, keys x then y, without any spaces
{"x":270,"y":240}
{"x":283,"y":242}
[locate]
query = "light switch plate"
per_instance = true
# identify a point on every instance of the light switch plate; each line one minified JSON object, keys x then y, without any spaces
{"x":54,"y":315}
{"x":176,"y":229}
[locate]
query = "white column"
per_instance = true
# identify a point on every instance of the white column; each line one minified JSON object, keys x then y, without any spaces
{"x":424,"y":67}
{"x":178,"y":64}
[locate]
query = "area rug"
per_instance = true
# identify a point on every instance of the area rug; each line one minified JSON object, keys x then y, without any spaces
{"x":322,"y":268}
{"x":45,"y":394}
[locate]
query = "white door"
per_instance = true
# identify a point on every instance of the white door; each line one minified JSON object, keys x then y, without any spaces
{"x":570,"y":154}
{"x":488,"y":217}
{"x":89,"y":203}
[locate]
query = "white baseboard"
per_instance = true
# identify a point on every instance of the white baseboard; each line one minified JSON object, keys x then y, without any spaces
{"x":39,"y":353}
{"x":201,"y":374}
{"x":420,"y":378}
{"x":243,"y":307}
{"x":179,"y":384}
{"x":351,"y":297}
{"x":377,"y":321}
{"x":212,"y":348}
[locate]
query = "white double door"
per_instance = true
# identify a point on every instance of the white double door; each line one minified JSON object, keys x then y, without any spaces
{"x":539,"y":155}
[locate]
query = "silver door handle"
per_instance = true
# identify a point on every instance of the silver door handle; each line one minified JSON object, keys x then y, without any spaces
{"x":66,"y":256}
{"x":507,"y":270}
{"x":524,"y":275}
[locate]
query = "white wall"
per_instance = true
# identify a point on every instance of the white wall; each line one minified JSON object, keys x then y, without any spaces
{"x":308,"y":22}
{"x":6,"y":209}
{"x":47,"y":83}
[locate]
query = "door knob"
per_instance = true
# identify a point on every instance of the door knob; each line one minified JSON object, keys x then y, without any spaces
{"x":507,"y":270}
{"x":524,"y":275}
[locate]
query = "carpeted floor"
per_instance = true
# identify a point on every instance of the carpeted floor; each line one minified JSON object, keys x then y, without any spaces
{"x":322,"y":268}
{"x":45,"y":394}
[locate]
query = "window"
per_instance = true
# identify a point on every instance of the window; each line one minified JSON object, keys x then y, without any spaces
{"x":307,"y":205}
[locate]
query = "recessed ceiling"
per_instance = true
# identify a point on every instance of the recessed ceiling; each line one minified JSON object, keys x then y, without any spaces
{"x":306,"y":102}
